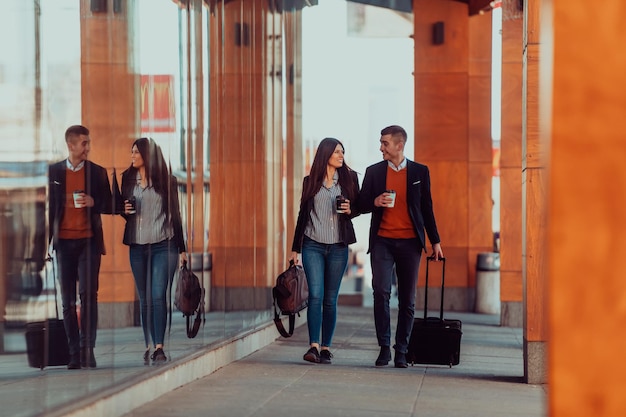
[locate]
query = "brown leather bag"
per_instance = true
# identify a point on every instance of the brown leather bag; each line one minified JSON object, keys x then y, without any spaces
{"x":291,"y":295}
{"x":188,"y":299}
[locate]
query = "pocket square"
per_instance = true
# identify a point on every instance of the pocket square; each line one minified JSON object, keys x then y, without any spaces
{"x":57,"y":183}
{"x":416,"y":182}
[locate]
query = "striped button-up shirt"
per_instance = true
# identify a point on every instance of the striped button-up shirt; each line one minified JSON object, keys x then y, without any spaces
{"x":151,"y":225}
{"x":323,"y":226}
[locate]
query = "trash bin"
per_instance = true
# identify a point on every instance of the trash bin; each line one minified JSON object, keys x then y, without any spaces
{"x":488,"y":283}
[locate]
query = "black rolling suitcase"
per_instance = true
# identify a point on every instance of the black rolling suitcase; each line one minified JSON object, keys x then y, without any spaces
{"x":46,"y":341}
{"x":435,"y":340}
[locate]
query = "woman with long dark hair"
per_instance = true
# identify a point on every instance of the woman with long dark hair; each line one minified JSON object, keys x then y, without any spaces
{"x":154,"y":234}
{"x":323,"y":232}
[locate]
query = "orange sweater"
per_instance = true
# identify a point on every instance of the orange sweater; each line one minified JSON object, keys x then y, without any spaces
{"x":396,"y":222}
{"x":75,"y":224}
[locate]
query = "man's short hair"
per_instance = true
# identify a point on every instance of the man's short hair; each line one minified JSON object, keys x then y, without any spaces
{"x":395,"y":131}
{"x":75,"y":131}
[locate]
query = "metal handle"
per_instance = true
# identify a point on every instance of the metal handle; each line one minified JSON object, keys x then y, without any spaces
{"x":443,"y":277}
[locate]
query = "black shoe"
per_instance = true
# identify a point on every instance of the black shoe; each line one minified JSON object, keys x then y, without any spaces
{"x":87,"y":358}
{"x":158,"y":357}
{"x":74,"y":362}
{"x":312,"y":355}
{"x":384,"y":356}
{"x":400,"y":360}
{"x":146,"y":357}
{"x":325,"y":356}
{"x":92,"y":359}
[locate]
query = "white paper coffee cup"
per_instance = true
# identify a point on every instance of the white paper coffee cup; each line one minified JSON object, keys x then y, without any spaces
{"x":392,"y":195}
{"x":77,"y":194}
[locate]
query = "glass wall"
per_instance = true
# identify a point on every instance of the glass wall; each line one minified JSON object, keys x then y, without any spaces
{"x":176,"y":72}
{"x":39,"y":95}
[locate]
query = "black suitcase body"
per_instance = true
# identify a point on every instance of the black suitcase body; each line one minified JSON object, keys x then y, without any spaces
{"x":435,"y":340}
{"x":46,"y":343}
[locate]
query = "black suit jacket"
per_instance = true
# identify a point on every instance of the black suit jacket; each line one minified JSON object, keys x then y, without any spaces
{"x":419,"y":200}
{"x":97,"y":186}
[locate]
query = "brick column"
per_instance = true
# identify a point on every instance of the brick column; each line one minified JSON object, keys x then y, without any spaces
{"x":452,"y":136}
{"x":511,"y":170}
{"x":245,"y":226}
{"x":586,"y":129}
{"x":108,"y":94}
{"x":534,"y":207}
{"x":294,"y":169}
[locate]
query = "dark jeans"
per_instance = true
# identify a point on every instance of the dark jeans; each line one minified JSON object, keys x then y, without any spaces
{"x":153,"y":267}
{"x":79,"y":261}
{"x":406,"y":255}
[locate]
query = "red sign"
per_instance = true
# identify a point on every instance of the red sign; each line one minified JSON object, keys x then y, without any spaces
{"x":158,"y":111}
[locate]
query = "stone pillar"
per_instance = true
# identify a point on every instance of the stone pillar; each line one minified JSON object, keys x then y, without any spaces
{"x":584,"y":103}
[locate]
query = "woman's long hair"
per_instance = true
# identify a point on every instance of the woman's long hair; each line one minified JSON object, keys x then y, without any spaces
{"x":157,"y":170}
{"x":325,"y":150}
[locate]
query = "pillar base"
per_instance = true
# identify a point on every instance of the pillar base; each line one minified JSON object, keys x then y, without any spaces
{"x":535,"y":362}
{"x":240,"y":298}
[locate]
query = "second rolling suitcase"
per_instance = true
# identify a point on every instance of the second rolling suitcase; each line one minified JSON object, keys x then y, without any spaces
{"x":435,"y":340}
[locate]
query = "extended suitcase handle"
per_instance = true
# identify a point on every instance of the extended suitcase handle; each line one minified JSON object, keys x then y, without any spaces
{"x":443,"y":277}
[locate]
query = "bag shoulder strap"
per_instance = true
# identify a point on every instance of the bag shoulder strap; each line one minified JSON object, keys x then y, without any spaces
{"x":281,"y":328}
{"x":192,"y":330}
{"x":279,"y":323}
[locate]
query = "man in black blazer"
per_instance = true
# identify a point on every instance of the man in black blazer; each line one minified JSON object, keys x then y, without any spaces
{"x":397,"y":237}
{"x":79,"y":193}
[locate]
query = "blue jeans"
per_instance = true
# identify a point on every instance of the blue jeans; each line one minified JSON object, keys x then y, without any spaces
{"x":79,"y":261}
{"x":153,"y":267}
{"x":406,"y":255}
{"x":324,"y":266}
